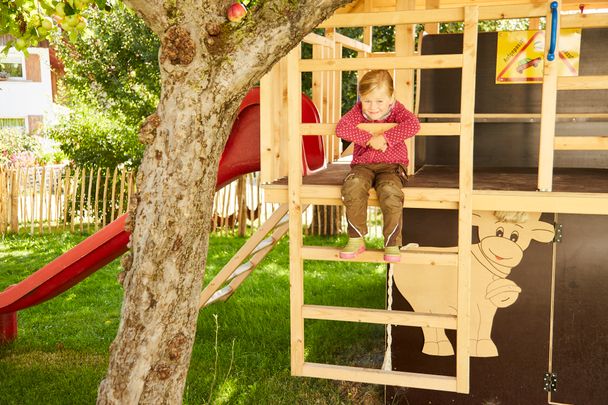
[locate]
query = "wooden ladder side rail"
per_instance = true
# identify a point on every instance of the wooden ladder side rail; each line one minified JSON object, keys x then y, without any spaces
{"x":549,"y":142}
{"x":296,"y":264}
{"x":258,"y":256}
{"x":243,"y":271}
{"x":242,"y":254}
{"x":548,"y":111}
{"x":465,"y":199}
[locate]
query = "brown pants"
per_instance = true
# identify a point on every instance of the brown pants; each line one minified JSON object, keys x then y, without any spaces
{"x":387,"y":179}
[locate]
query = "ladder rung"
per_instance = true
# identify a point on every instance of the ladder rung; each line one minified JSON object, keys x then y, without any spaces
{"x":373,"y":376}
{"x":393,"y":62}
{"x":241,"y":269}
{"x":220,"y":295}
{"x":411,"y":256}
{"x":582,"y":83}
{"x":379,"y":316}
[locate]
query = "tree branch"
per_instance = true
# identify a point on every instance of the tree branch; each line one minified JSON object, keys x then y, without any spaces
{"x":272,"y":31}
{"x":155,"y":13}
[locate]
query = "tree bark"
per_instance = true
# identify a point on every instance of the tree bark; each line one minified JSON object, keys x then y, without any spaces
{"x":207,"y":65}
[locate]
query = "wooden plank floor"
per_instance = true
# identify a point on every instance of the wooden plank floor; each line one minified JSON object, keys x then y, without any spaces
{"x":583,"y":191}
{"x":570,"y":180}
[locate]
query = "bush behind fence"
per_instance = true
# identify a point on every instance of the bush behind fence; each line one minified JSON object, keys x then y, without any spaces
{"x":42,"y":198}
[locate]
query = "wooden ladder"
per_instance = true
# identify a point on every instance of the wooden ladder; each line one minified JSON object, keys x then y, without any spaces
{"x":300,"y":311}
{"x":232,"y":275}
{"x":552,"y":83}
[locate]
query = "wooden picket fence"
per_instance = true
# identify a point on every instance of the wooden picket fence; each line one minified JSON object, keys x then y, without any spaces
{"x":43,"y":198}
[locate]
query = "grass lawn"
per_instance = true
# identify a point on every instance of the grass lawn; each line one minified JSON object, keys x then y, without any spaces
{"x":241,"y":354}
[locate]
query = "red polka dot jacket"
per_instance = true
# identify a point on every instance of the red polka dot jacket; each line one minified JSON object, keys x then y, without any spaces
{"x":396,"y":152}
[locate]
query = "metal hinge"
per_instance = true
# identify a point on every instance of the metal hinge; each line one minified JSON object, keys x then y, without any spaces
{"x":550,"y":382}
{"x":558,"y":233}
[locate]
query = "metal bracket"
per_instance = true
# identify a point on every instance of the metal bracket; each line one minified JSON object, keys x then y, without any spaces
{"x":558,"y":233}
{"x":550,"y":384}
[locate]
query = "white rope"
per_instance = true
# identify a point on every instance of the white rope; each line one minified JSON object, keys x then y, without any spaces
{"x":387,"y":364}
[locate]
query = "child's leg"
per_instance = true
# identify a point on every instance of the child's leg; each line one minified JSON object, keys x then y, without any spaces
{"x":388,"y":187}
{"x":355,"y":194}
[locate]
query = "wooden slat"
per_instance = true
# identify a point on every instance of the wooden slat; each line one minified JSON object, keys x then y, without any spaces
{"x":395,"y":62}
{"x":379,"y":316}
{"x":296,"y":266}
{"x":581,"y":143}
{"x":426,"y":128}
{"x":411,"y":256}
{"x":582,"y":83}
{"x":512,"y":11}
{"x":527,"y":117}
{"x":442,"y":198}
{"x":393,"y":18}
{"x":351,"y":43}
{"x":316,"y":39}
{"x":584,"y":20}
{"x":548,"y":112}
{"x":531,"y":201}
{"x":373,"y":376}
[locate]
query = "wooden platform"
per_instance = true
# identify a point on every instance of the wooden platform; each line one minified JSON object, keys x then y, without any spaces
{"x":582,"y":191}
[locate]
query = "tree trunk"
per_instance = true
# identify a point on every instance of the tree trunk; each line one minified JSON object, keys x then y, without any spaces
{"x":207,"y":65}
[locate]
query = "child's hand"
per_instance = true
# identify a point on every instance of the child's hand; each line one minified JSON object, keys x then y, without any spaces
{"x":378,"y":143}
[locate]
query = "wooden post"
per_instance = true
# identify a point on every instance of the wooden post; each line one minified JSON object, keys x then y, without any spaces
{"x":41,"y":208}
{"x":296,"y":264}
{"x":14,"y":201}
{"x":3,"y":201}
{"x":465,"y":197}
{"x":548,"y":111}
{"x":66,"y":197}
{"x":89,"y":211}
{"x":241,"y":194}
{"x":83,"y":183}
{"x":74,"y":192}
{"x":404,"y":79}
{"x":96,"y":203}
{"x":113,"y":199}
{"x":431,"y":28}
{"x":105,"y":197}
{"x":49,"y":200}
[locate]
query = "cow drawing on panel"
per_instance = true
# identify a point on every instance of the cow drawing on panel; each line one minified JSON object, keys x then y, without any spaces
{"x":503,"y":238}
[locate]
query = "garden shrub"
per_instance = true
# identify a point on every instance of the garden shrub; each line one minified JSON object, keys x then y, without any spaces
{"x":92,"y":138}
{"x":17,"y":148}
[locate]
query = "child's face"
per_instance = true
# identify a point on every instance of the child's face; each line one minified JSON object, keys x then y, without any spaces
{"x":377,"y":103}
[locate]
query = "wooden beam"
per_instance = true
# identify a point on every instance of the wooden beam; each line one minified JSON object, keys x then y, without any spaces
{"x":393,"y":18}
{"x":548,"y":111}
{"x":405,"y":62}
{"x":316,"y":39}
{"x":411,"y":256}
{"x":296,"y":265}
{"x":581,"y":143}
{"x":351,"y":43}
{"x":582,"y":83}
{"x":465,"y":197}
{"x":379,"y":316}
{"x":426,"y":128}
{"x":372,"y":376}
{"x":584,"y":20}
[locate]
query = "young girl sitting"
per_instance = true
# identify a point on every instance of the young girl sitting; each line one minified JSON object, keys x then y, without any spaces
{"x":379,"y":161}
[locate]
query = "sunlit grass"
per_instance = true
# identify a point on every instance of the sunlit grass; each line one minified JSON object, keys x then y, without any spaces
{"x":241,"y":354}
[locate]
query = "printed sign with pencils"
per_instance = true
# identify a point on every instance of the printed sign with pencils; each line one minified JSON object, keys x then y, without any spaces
{"x":519,"y":55}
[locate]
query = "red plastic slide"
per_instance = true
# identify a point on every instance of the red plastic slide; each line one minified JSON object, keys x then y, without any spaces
{"x":241,"y":156}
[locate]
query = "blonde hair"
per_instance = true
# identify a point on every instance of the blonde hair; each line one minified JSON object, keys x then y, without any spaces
{"x":511,"y":216}
{"x":375,"y":79}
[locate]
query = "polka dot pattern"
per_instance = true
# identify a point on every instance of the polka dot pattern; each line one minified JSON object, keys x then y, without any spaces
{"x":395,"y":137}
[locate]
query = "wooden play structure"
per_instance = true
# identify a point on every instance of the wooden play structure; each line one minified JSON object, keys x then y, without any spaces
{"x":461,"y":187}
